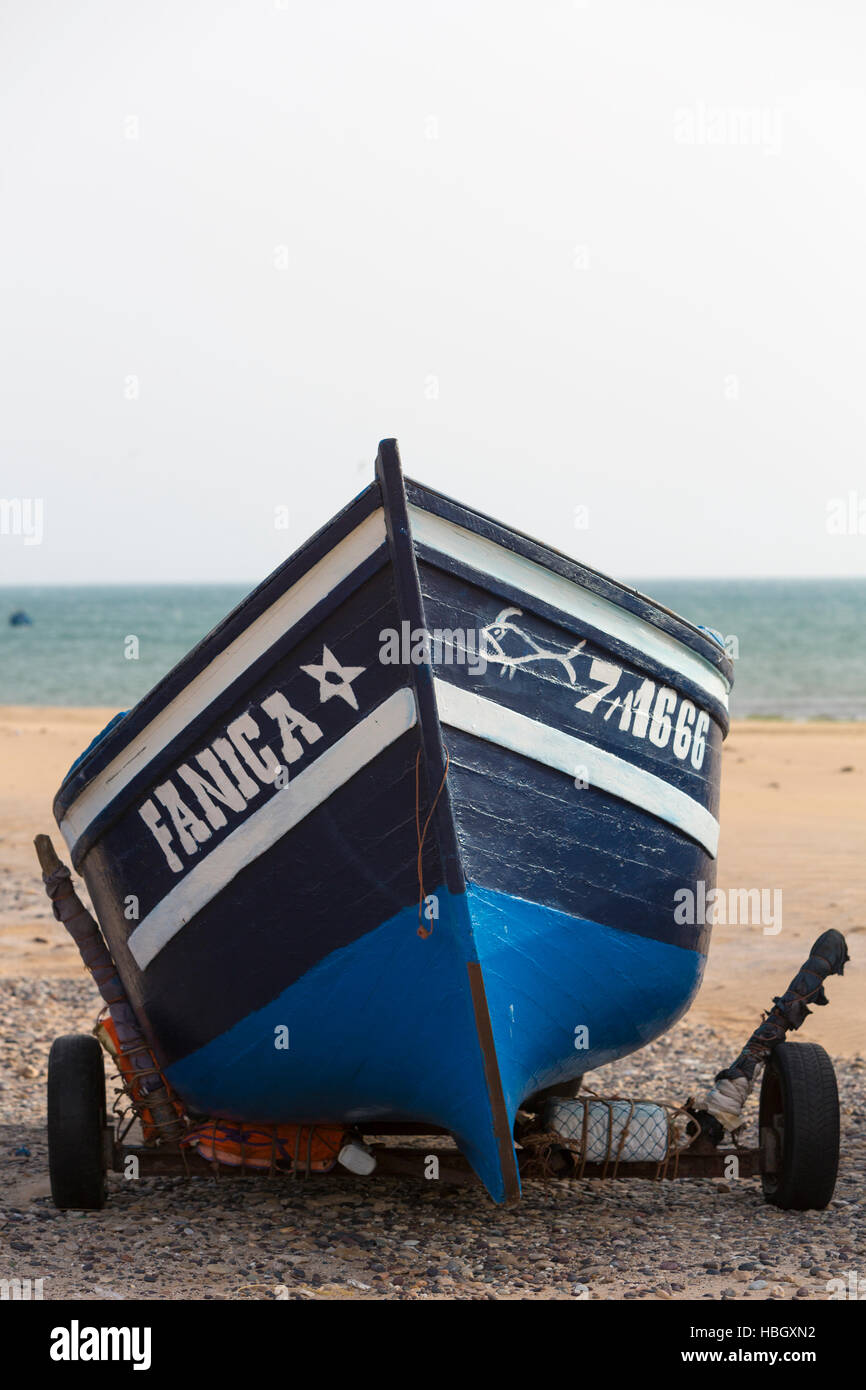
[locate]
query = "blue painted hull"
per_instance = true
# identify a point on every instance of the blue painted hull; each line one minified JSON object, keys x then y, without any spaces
{"x":546,"y":975}
{"x":250,"y":832}
{"x":567,"y":995}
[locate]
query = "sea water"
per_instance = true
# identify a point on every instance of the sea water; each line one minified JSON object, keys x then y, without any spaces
{"x":798,"y":644}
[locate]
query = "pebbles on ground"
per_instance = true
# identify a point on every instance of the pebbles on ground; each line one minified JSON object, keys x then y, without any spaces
{"x":383,"y":1238}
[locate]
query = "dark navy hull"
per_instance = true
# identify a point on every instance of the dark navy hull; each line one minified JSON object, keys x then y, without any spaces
{"x":248,"y":833}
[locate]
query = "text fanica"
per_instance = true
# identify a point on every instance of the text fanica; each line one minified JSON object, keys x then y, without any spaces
{"x":231,"y":771}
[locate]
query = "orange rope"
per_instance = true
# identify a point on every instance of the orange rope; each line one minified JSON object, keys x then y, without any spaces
{"x":422,"y":835}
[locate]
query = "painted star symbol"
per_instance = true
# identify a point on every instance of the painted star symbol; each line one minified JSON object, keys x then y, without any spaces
{"x":341,"y":684}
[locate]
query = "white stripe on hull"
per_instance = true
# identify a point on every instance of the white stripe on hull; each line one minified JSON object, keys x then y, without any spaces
{"x":489,"y":558}
{"x":364,"y":742}
{"x":473,"y":714}
{"x":231,"y":663}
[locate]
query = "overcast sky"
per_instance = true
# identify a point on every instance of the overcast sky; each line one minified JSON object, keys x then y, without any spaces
{"x":601,"y":256}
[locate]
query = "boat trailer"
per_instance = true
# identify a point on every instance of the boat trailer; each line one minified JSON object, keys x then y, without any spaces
{"x":796,"y":1156}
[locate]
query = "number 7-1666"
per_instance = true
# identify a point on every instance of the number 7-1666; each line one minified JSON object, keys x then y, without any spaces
{"x":648,"y":712}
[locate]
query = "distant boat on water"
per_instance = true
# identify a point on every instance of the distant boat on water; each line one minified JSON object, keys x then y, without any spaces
{"x":20,"y":619}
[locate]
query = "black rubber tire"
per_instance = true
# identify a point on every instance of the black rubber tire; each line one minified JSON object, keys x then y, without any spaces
{"x":799,"y":1128}
{"x":76,"y":1122}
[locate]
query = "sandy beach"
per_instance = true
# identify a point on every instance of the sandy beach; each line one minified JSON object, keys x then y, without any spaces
{"x":793,"y":815}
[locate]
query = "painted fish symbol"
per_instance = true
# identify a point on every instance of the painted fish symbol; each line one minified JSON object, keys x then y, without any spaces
{"x":523,"y":648}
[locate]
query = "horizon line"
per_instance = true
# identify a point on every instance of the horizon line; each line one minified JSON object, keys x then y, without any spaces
{"x":251,"y":584}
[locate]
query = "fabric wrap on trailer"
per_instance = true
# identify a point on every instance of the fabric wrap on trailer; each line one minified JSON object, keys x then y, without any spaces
{"x":727,"y":1097}
{"x":85,"y":932}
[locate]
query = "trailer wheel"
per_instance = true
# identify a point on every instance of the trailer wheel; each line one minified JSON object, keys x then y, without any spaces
{"x":76,"y":1122}
{"x":799,"y":1127}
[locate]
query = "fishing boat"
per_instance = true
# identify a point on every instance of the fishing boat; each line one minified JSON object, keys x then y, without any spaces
{"x":407,"y":836}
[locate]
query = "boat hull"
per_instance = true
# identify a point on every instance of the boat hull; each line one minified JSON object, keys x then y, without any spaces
{"x":349,"y":876}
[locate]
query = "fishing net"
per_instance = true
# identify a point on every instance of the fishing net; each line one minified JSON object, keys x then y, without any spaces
{"x":634,"y":1132}
{"x":591,"y":1129}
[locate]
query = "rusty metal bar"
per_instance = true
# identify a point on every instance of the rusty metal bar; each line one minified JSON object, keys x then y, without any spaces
{"x":453,"y":1167}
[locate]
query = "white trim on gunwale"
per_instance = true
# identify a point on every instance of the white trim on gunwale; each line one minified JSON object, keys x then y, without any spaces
{"x":320,"y":580}
{"x":489,"y":558}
